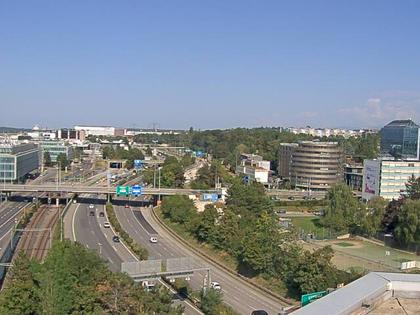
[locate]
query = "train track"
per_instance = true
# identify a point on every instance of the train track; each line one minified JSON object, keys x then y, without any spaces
{"x":36,"y":238}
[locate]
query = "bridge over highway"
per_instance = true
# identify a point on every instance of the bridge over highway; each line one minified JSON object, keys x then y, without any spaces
{"x":80,"y":189}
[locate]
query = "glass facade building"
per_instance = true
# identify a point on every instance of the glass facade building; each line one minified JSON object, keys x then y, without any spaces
{"x":400,"y":139}
{"x":54,"y":148}
{"x":17,"y":160}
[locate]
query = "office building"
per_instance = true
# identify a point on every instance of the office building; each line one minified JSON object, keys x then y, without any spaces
{"x":316,"y":165}
{"x":286,"y":151}
{"x":400,"y":139}
{"x":18,"y":160}
{"x":54,"y":148}
{"x":70,"y":134}
{"x":253,"y":167}
{"x":387,"y":178}
{"x":353,"y":176}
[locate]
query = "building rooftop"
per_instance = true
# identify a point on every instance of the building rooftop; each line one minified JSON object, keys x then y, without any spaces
{"x":375,"y":293}
{"x":402,"y":123}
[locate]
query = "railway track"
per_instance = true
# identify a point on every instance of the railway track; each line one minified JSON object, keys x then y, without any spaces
{"x":35,"y":240}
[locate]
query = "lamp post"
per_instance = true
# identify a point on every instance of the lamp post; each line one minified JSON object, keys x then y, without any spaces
{"x":159,"y":180}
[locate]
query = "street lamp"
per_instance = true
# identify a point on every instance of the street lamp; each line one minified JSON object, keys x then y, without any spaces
{"x":159,"y":168}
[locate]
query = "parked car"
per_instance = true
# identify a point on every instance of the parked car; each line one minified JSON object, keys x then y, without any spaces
{"x":215,"y":286}
{"x":116,"y":239}
{"x":107,"y":225}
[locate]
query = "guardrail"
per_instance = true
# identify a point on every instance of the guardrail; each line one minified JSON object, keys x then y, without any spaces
{"x":211,"y":260}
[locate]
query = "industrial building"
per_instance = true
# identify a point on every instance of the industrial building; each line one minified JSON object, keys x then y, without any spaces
{"x":18,"y":160}
{"x":377,"y":293}
{"x":316,"y":165}
{"x":54,"y":148}
{"x":400,"y":139}
{"x":96,"y":130}
{"x":387,"y":178}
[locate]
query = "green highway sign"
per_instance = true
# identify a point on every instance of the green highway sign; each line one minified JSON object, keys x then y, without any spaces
{"x":308,"y":298}
{"x":122,"y":190}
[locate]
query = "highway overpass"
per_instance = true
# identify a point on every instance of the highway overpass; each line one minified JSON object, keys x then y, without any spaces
{"x":81,"y":189}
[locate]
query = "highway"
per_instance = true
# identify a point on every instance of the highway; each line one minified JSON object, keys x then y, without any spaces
{"x":242,"y":298}
{"x":89,"y":230}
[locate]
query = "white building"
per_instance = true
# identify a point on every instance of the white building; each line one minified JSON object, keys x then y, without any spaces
{"x":387,"y":178}
{"x":254,"y":167}
{"x":96,"y":130}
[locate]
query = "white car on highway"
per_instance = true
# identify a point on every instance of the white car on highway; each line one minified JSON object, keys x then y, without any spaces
{"x":107,"y":225}
{"x":215,"y":286}
{"x":153,"y":239}
{"x":91,"y":206}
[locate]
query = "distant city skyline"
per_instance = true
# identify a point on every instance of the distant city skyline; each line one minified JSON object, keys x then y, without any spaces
{"x":209,"y":65}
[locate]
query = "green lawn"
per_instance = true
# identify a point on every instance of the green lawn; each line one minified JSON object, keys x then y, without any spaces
{"x":311,"y":225}
{"x":344,"y":244}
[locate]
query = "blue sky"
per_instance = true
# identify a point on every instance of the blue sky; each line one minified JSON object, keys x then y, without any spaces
{"x":209,"y":64}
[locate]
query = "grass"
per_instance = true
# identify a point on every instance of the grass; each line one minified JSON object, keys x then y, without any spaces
{"x":344,"y":244}
{"x":311,"y":225}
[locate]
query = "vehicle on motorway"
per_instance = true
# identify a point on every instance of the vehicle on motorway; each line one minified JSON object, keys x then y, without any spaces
{"x":91,"y":206}
{"x":291,"y":198}
{"x":107,"y":225}
{"x":92,"y":213}
{"x":116,"y":239}
{"x":281,"y":211}
{"x":101,"y":214}
{"x":259,"y":312}
{"x":153,"y":239}
{"x":215,"y":286}
{"x":126,"y":206}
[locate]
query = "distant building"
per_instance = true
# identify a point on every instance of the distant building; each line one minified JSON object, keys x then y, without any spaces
{"x":96,"y":130}
{"x":316,"y":165}
{"x":286,"y":151}
{"x":253,"y":167}
{"x":18,"y":160}
{"x":70,"y":134}
{"x":400,"y":139}
{"x":387,"y":178}
{"x":54,"y":148}
{"x":328,"y":132}
{"x":353,"y":176}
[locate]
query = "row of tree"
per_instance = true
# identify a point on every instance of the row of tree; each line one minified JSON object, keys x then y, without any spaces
{"x":74,"y":280}
{"x":228,"y":144}
{"x":111,"y":153}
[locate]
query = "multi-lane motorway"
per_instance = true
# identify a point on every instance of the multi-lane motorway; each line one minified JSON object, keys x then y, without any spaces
{"x":81,"y":226}
{"x":140,"y":224}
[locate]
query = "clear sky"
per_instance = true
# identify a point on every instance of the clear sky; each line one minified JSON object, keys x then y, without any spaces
{"x":209,"y":64}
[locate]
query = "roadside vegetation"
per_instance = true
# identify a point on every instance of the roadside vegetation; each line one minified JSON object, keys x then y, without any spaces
{"x":247,"y":229}
{"x":141,"y":252}
{"x":74,"y":280}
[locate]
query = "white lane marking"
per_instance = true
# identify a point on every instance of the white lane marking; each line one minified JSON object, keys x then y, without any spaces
{"x":73,"y":225}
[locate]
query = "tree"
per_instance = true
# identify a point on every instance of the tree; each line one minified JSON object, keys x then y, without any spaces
{"x":210,"y":301}
{"x":20,"y":295}
{"x":344,"y":212}
{"x":374,"y":216}
{"x":413,"y":187}
{"x":179,"y":209}
{"x":407,"y":229}
{"x":62,"y":161}
{"x":47,"y":159}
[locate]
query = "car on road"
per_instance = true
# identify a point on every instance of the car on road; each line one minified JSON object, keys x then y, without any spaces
{"x":259,"y":312}
{"x":126,"y":206}
{"x":215,"y":286}
{"x":153,"y":239}
{"x":116,"y":239}
{"x":92,"y":213}
{"x":101,"y":214}
{"x":107,"y":225}
{"x":291,"y":198}
{"x":91,"y":206}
